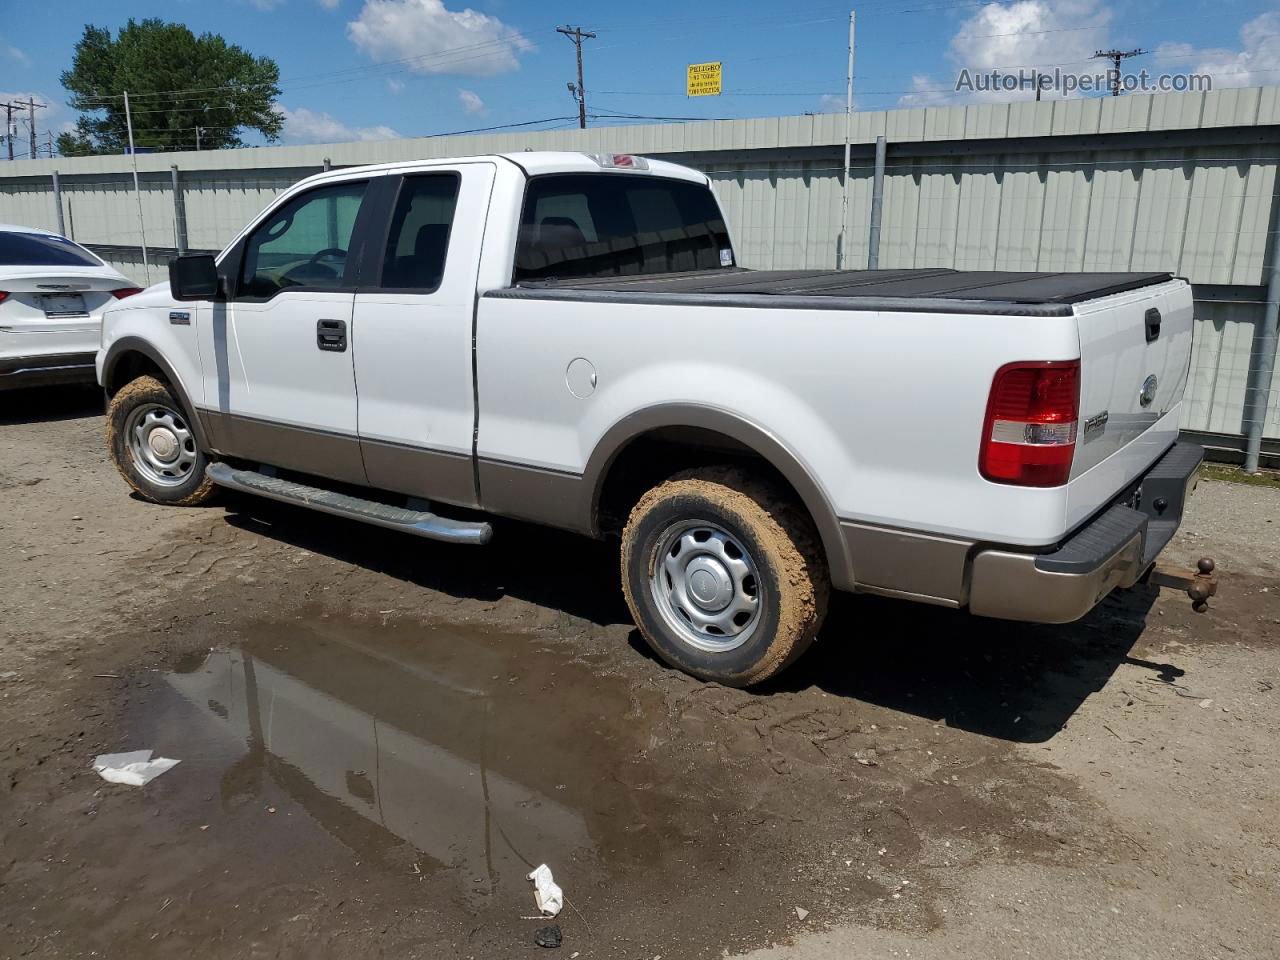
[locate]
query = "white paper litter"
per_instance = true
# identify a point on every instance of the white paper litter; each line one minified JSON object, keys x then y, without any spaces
{"x":548,"y":896}
{"x":135,"y":768}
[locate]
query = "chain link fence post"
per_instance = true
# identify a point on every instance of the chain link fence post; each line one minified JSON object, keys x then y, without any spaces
{"x":57,"y":203}
{"x":179,"y":212}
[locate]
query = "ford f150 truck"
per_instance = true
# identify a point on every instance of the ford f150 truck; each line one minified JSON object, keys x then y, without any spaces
{"x":569,"y":339}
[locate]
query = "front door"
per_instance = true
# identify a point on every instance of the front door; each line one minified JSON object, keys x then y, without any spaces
{"x":415,"y":315}
{"x":279,"y":376}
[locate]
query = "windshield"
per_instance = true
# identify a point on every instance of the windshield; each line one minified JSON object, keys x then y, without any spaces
{"x":43,"y":250}
{"x":602,"y":225}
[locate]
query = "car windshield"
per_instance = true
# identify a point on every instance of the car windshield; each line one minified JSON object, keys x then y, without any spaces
{"x":602,"y":225}
{"x":42,"y":250}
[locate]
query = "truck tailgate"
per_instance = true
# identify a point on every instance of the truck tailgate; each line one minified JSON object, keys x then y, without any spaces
{"x":1135,"y":351}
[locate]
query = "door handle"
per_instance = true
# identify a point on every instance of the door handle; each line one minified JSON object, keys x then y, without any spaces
{"x":331,"y":335}
{"x":1153,"y":324}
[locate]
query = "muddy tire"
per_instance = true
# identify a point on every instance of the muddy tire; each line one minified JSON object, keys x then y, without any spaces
{"x":724,"y":575}
{"x":153,"y":446}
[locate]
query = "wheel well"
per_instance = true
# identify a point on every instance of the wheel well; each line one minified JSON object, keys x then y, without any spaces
{"x":653,"y":457}
{"x":130,"y":367}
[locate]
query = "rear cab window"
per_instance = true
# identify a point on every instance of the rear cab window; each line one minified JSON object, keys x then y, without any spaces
{"x":418,"y":241}
{"x":601,"y":225}
{"x":43,"y":250}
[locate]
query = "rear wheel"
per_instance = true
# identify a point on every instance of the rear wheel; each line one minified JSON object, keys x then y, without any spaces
{"x":154,"y":447}
{"x":723,"y":575}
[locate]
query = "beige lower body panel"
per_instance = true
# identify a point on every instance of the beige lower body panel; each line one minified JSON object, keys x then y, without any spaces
{"x":1005,"y":584}
{"x":901,"y":563}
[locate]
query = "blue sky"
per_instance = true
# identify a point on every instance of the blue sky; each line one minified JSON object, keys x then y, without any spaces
{"x":377,"y":68}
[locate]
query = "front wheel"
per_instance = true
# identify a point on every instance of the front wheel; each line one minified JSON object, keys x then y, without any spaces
{"x":154,"y":447}
{"x":723,"y":575}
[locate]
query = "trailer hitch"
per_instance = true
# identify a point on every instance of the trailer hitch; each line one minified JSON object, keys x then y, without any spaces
{"x":1200,"y":586}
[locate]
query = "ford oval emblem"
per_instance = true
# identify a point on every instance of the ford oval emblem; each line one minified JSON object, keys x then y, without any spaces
{"x":1148,"y":391}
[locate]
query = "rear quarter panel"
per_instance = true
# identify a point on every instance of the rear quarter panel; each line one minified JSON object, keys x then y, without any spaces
{"x":884,"y":410}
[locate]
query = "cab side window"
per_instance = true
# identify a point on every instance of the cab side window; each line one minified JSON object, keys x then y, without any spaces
{"x":303,"y":244}
{"x":418,"y":241}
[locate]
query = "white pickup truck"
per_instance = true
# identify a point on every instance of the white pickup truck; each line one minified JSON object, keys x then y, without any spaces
{"x":568,"y":339}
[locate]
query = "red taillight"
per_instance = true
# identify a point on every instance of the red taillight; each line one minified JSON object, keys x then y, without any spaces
{"x":125,"y":292}
{"x":1029,"y":437}
{"x":3,"y":294}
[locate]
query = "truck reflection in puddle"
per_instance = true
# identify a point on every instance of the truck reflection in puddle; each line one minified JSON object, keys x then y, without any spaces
{"x":439,"y":743}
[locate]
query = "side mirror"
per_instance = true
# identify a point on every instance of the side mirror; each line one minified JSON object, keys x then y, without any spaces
{"x":194,"y":277}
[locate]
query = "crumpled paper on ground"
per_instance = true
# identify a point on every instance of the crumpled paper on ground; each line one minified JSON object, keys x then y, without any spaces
{"x":135,"y":769}
{"x":548,"y":896}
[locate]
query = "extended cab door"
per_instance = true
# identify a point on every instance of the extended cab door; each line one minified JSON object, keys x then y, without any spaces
{"x":415,"y":310}
{"x":277,"y":356}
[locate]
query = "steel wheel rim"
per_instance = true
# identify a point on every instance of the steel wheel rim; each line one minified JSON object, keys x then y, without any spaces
{"x":163,"y":447}
{"x":706,"y":586}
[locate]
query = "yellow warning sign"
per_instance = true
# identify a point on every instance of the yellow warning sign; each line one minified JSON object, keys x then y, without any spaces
{"x":704,"y":80}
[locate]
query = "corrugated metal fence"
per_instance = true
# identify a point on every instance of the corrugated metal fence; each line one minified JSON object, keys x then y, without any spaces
{"x":1179,"y":182}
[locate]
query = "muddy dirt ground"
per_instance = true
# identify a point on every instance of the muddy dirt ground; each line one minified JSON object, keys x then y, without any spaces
{"x":380,"y":736}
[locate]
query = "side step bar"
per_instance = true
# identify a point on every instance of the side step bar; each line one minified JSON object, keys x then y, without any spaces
{"x":420,"y":523}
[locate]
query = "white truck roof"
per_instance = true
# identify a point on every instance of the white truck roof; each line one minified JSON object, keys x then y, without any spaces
{"x":533,"y":162}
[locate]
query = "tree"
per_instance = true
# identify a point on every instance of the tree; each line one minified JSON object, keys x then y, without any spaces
{"x":176,"y":82}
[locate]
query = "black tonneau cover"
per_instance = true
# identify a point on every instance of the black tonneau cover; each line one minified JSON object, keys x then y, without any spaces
{"x":1001,"y":286}
{"x":952,"y":291}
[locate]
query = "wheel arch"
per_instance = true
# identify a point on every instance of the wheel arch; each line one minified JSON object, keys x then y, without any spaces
{"x":688,"y":424}
{"x":131,"y":357}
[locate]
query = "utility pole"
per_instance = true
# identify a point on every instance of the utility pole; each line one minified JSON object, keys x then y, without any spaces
{"x":8,"y":127}
{"x":137,"y":191}
{"x":1115,"y":56}
{"x":577,"y":35}
{"x":31,"y":109}
{"x":842,"y":255}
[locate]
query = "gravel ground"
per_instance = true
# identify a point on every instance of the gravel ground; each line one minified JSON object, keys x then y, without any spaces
{"x":380,"y":737}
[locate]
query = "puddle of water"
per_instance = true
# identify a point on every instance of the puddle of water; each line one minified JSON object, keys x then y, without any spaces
{"x":484,"y":754}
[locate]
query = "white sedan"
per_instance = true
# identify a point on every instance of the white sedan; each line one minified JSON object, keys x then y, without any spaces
{"x":52,"y":295}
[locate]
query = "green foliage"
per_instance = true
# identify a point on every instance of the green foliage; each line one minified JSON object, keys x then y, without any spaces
{"x":176,"y":82}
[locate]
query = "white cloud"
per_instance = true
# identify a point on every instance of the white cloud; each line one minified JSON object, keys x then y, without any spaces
{"x":329,"y":4}
{"x":830,"y":103}
{"x":438,"y":39}
{"x":471,"y":102}
{"x":1010,"y":37}
{"x":309,"y":126}
{"x":1255,"y":64}
{"x":926,"y":91}
{"x":15,"y":54}
{"x":395,"y":84}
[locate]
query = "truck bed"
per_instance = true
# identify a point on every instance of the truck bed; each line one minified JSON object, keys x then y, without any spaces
{"x":950,"y":291}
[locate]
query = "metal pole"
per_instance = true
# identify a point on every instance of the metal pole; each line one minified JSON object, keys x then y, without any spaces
{"x":582,"y":93}
{"x":57,"y":203}
{"x":1264,"y":346}
{"x":31,"y":112}
{"x":179,"y":212}
{"x":877,"y":204}
{"x":8,"y":127}
{"x":137,"y":192}
{"x":841,"y":255}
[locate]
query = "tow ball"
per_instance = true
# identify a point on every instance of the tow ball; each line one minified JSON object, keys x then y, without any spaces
{"x":1200,"y":586}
